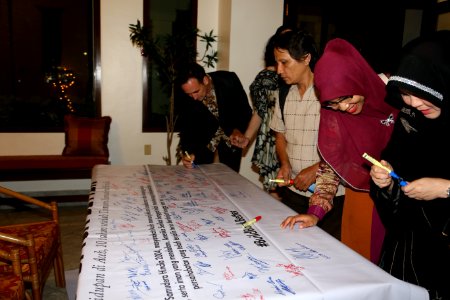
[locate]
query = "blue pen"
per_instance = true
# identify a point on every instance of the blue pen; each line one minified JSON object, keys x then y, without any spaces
{"x":401,"y":181}
{"x":392,"y":173}
{"x":312,"y":187}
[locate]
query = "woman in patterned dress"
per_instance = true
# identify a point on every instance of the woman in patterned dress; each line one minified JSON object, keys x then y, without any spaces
{"x":262,"y":91}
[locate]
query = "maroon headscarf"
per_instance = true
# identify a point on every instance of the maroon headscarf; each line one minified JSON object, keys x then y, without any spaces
{"x":343,"y":138}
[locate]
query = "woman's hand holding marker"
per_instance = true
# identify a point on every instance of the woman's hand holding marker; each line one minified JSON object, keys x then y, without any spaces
{"x":382,"y":181}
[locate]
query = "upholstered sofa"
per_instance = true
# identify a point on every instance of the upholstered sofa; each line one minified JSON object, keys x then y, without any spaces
{"x":86,"y":145}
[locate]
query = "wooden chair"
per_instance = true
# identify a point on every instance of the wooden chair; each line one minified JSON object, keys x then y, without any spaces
{"x":39,"y":245}
{"x":11,"y":283}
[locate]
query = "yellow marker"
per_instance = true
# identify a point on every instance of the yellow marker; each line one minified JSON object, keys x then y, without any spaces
{"x":187,"y":154}
{"x":392,"y":173}
{"x":375,"y":162}
{"x":281,"y":180}
{"x":250,"y":222}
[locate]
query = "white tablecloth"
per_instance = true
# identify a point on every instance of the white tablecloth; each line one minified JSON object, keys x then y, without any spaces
{"x":167,"y":232}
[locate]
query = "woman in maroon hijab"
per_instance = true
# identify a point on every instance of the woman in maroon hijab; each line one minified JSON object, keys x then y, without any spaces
{"x":354,"y":119}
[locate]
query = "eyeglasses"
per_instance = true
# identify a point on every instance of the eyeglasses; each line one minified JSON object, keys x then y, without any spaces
{"x":335,"y":103}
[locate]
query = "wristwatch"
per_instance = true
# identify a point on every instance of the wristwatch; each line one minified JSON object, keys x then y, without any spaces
{"x":448,"y":192}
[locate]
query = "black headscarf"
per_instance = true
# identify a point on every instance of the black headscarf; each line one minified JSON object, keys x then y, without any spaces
{"x":424,"y":69}
{"x":421,"y":148}
{"x":415,"y":247}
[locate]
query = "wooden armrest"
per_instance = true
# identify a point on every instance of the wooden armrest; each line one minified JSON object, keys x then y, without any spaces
{"x":29,"y":241}
{"x":25,"y":198}
{"x":52,"y":206}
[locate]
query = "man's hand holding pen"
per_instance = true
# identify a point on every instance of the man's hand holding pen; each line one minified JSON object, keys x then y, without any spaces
{"x":188,"y":160}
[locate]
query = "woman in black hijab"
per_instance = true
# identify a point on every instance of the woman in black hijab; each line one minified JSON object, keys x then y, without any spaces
{"x":416,"y":248}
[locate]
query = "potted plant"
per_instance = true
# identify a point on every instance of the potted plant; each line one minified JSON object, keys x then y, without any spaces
{"x":167,"y":53}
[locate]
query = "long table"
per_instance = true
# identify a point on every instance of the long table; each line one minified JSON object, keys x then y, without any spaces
{"x":167,"y":232}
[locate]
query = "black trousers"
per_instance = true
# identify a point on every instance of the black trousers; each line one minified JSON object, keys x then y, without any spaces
{"x":331,"y":222}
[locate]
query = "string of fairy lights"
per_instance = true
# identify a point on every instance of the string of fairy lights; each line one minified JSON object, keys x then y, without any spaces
{"x":62,"y":79}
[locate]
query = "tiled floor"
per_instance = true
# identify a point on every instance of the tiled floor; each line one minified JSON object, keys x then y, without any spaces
{"x":72,"y":220}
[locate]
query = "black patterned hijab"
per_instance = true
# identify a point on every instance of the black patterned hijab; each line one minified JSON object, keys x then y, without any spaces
{"x":422,"y":148}
{"x":424,"y":70}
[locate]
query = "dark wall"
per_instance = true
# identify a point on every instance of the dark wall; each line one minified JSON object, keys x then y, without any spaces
{"x":376,"y":29}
